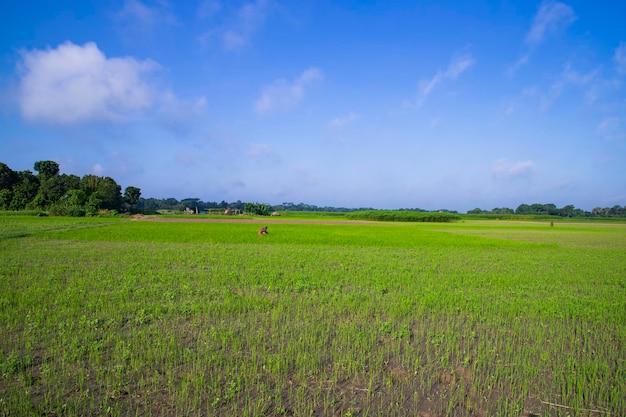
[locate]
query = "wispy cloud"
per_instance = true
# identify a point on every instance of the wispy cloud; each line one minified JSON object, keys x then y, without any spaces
{"x":620,"y":58}
{"x":610,"y":129}
{"x":505,"y":169}
{"x":282,"y":95}
{"x":457,"y":66}
{"x":551,"y":18}
{"x":241,"y":22}
{"x":339,"y":123}
{"x":136,"y":15}
{"x":568,"y":78}
{"x":97,"y":169}
{"x":73,"y":84}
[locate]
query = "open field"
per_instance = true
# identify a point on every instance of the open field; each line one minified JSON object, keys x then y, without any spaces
{"x":201,"y":318}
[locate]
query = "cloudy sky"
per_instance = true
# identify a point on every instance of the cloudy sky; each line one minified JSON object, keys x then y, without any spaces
{"x":382,"y":104}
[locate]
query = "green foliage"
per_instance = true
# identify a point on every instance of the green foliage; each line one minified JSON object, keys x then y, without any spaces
{"x":8,"y":177}
{"x":132,"y":195}
{"x":61,"y":194}
{"x":6,"y":195}
{"x":24,"y":190}
{"x":403,"y":216}
{"x":325,"y":319}
{"x":260,"y":209}
{"x":47,"y":169}
{"x":65,"y":209}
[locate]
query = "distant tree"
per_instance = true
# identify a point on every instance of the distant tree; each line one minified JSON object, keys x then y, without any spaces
{"x":190,"y":202}
{"x":89,"y":184}
{"x":170,"y":204}
{"x":101,"y":192}
{"x":24,"y":191}
{"x":475,"y":211}
{"x":94,"y":202}
{"x":616,"y":211}
{"x":110,"y":193}
{"x":6,"y":195}
{"x":257,"y":208}
{"x":502,"y":210}
{"x":132,"y":195}
{"x":522,"y":209}
{"x":567,"y":211}
{"x":76,"y":197}
{"x":8,"y":177}
{"x":47,"y":169}
{"x":52,"y":189}
{"x":550,"y":209}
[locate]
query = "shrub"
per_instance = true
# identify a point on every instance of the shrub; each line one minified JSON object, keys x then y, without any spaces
{"x":403,"y":216}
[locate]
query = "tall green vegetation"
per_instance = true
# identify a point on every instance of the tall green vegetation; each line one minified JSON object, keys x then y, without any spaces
{"x":257,"y":208}
{"x":403,"y":216}
{"x":62,"y":194}
{"x":552,"y":210}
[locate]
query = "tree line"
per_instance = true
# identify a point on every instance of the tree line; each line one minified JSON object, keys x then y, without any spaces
{"x":553,"y":210}
{"x":70,"y":195}
{"x":151,"y":205}
{"x":63,"y":194}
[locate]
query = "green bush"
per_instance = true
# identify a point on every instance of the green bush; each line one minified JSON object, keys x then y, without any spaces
{"x":403,"y":216}
{"x":67,"y":210}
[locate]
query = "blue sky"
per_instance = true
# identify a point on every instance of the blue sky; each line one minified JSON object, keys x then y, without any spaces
{"x":382,"y":104}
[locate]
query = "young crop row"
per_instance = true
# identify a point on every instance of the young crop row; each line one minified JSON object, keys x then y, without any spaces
{"x":207,"y":319}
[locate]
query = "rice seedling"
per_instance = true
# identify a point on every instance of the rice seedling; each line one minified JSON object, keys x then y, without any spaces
{"x":208,"y":318}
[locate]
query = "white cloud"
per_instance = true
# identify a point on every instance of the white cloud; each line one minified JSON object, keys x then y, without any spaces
{"x":609,"y":128}
{"x":249,"y":18}
{"x":551,"y":18}
{"x":521,"y":61}
{"x":340,"y":123}
{"x":238,"y":23}
{"x":78,"y":84}
{"x":620,"y":58}
{"x":137,"y":15}
{"x":282,"y":95}
{"x":75,"y":83}
{"x":457,"y":66}
{"x":98,"y":170}
{"x":503,"y":168}
{"x":568,"y":78}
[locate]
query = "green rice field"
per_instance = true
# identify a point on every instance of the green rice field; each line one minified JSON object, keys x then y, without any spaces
{"x":116,"y":317}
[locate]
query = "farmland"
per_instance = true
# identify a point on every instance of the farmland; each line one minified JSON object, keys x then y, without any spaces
{"x":471,"y":318}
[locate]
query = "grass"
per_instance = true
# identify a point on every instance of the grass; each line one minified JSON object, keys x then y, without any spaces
{"x":203,"y":319}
